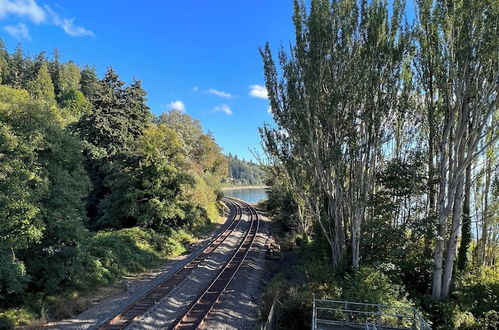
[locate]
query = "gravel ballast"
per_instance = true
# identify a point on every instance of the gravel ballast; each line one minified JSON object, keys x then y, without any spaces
{"x":238,"y":307}
{"x":176,"y":303}
{"x":101,"y":311}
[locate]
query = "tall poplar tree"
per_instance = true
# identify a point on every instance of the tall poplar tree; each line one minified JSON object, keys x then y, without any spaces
{"x":460,"y":40}
{"x":332,"y":102}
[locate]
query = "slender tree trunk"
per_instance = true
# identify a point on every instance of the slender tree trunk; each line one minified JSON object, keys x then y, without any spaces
{"x":442,"y":214}
{"x":466,"y":227}
{"x":452,"y":245}
{"x":485,"y":213}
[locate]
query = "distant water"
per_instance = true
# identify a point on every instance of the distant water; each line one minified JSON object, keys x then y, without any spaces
{"x":250,"y":195}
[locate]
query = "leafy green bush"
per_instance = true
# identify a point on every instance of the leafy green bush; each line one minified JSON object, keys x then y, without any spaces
{"x":370,"y":285}
{"x":448,"y":315}
{"x":15,"y":317}
{"x":110,"y":254}
{"x":478,"y":291}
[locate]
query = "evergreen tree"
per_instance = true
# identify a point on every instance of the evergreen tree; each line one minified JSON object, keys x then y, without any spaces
{"x":89,"y":81}
{"x":69,"y":78}
{"x":4,"y":62}
{"x":118,"y":117}
{"x":41,"y":88}
{"x":17,"y":68}
{"x":55,"y":67}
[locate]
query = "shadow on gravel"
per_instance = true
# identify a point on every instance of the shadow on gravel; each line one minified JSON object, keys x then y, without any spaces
{"x":238,"y":308}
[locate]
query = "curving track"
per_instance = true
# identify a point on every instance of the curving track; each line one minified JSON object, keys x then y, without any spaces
{"x":200,"y":308}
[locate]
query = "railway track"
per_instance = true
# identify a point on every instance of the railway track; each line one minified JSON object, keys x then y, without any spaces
{"x":140,"y":306}
{"x":201,"y":306}
{"x":204,"y":303}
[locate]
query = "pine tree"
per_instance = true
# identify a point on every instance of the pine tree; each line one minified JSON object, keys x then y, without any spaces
{"x":17,"y":68}
{"x":118,"y":118}
{"x":89,"y":81}
{"x":4,"y":62}
{"x":41,"y":88}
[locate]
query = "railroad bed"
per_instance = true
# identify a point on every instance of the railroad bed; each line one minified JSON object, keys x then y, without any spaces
{"x":186,"y":298}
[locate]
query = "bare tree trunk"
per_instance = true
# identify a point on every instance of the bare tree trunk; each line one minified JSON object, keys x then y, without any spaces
{"x":452,"y":245}
{"x":442,"y":213}
{"x":485,"y":213}
{"x":466,"y":227}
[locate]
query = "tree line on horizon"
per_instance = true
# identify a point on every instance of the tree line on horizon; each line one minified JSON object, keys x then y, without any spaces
{"x":385,"y":147}
{"x":244,"y":173}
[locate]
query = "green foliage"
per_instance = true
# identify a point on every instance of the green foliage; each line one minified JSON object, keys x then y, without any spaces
{"x":41,"y":88}
{"x":162,"y":177}
{"x":478,"y":290}
{"x":207,"y":167}
{"x":76,"y":151}
{"x":370,"y":285}
{"x":108,"y":255}
{"x":89,"y":81}
{"x":43,"y":185}
{"x":242,"y":172}
{"x":149,"y":192}
{"x":118,"y":117}
{"x":15,"y":317}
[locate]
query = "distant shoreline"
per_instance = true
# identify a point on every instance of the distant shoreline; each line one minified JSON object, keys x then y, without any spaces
{"x":244,"y":187}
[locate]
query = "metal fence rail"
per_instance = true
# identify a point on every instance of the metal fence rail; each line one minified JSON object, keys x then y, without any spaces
{"x":273,"y":317}
{"x":373,"y":316}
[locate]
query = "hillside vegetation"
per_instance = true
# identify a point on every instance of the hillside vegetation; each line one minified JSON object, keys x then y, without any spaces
{"x":244,"y":173}
{"x":92,"y":185}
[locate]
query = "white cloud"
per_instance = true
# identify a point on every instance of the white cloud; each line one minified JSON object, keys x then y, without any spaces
{"x":19,"y":31}
{"x":224,"y":108}
{"x":269,"y":109}
{"x":258,"y":91}
{"x":24,"y":8}
{"x":220,"y":93}
{"x":176,"y":105}
{"x":67,"y":24}
{"x":195,"y":89}
{"x":33,"y":12}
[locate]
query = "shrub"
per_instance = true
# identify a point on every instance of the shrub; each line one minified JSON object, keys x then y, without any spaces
{"x":478,"y":291}
{"x":15,"y":317}
{"x":110,"y":254}
{"x":370,"y":285}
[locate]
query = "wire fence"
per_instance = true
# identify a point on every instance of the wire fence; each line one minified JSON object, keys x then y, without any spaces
{"x":372,"y":316}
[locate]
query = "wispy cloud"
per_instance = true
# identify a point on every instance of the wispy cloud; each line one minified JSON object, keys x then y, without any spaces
{"x":67,"y":24}
{"x":176,"y":105}
{"x":223,"y":108}
{"x":258,"y":91}
{"x":195,"y":89}
{"x":30,"y":10}
{"x":220,"y":93}
{"x":19,"y":31}
{"x":23,"y":8}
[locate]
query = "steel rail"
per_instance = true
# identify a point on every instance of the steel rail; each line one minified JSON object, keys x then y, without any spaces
{"x":202,"y":306}
{"x":154,"y":295}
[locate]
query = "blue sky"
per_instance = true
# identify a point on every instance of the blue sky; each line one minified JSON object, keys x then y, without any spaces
{"x":201,"y":53}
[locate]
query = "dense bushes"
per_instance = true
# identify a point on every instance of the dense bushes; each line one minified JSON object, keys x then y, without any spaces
{"x":304,"y":272}
{"x":108,"y":255}
{"x":396,"y":271}
{"x":99,"y":259}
